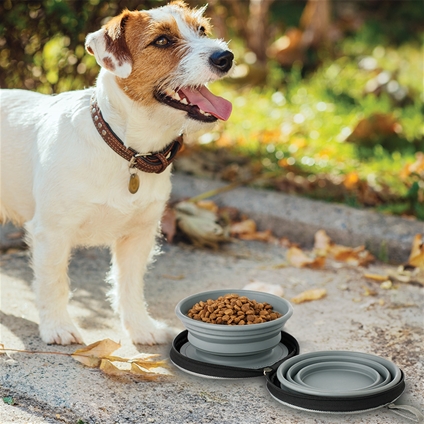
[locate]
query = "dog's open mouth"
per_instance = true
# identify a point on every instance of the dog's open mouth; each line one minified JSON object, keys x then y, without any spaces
{"x":199,"y":103}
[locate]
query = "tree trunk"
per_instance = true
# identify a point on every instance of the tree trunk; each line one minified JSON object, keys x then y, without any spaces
{"x":257,"y":28}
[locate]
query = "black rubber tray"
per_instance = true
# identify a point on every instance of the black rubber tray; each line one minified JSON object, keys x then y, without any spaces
{"x":222,"y":371}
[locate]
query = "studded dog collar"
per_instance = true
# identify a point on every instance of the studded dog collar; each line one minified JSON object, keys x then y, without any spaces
{"x":148,"y":162}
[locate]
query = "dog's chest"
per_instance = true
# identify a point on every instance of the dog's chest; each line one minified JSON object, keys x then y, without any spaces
{"x":121,"y":214}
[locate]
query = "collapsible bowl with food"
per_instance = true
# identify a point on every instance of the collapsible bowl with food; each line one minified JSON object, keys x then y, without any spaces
{"x":231,"y":351}
{"x":335,"y":382}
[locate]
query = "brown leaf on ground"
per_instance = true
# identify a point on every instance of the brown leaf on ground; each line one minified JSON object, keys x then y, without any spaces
{"x":208,"y":205}
{"x":248,"y":226}
{"x":229,"y":214}
{"x":322,"y":241}
{"x":91,"y":355}
{"x":299,"y":259}
{"x":416,"y":258}
{"x":148,"y":364}
{"x":134,"y":369}
{"x":285,"y":242}
{"x":356,"y":256}
{"x":265,"y":236}
{"x":110,"y":369}
{"x":308,"y":295}
{"x":200,"y":225}
{"x":145,"y":373}
{"x":376,"y":277}
{"x":246,"y":230}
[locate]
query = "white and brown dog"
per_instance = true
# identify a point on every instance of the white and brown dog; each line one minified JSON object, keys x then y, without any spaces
{"x":90,"y":167}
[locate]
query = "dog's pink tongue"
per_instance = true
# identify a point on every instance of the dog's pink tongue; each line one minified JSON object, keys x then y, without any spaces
{"x":208,"y":102}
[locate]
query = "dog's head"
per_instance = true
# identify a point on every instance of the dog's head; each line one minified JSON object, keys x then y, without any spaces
{"x":163,"y":58}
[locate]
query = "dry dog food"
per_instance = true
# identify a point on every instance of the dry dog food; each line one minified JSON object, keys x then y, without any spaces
{"x":232,"y":309}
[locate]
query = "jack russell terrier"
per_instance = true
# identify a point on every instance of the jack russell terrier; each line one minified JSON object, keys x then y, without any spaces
{"x":91,"y":167}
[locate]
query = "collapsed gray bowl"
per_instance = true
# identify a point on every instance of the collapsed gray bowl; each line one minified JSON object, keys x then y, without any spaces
{"x":234,"y":340}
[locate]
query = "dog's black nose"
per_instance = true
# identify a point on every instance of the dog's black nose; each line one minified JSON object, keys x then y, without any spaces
{"x":222,"y":60}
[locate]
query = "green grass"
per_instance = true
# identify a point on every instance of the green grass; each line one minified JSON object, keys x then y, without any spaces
{"x":303,"y":125}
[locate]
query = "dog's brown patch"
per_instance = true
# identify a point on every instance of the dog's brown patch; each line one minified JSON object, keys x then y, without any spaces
{"x":194,"y":21}
{"x":115,"y":38}
{"x":131,"y":37}
{"x":108,"y":62}
{"x":151,"y":64}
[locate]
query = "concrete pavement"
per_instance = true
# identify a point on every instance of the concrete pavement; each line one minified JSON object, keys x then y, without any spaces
{"x":356,"y":315}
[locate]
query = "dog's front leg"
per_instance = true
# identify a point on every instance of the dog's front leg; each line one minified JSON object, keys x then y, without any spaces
{"x":130,"y":256}
{"x":50,"y":257}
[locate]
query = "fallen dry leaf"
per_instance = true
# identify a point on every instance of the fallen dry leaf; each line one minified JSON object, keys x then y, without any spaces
{"x":265,"y":236}
{"x":416,"y":258}
{"x":200,"y":225}
{"x":408,"y":275}
{"x":148,"y":364}
{"x":352,"y":255}
{"x":110,"y":369}
{"x":246,"y":230}
{"x":143,"y":372}
{"x":98,"y":355}
{"x":322,"y":241}
{"x":299,"y":259}
{"x":285,"y":242}
{"x":308,"y":295}
{"x":376,"y":277}
{"x":248,"y":226}
{"x":139,"y":367}
{"x":208,"y":205}
{"x":91,"y":355}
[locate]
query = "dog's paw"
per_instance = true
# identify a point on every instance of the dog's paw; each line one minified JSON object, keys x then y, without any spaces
{"x":152,"y":332}
{"x":62,"y":334}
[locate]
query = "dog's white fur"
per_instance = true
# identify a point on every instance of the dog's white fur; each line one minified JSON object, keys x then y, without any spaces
{"x":68,"y":188}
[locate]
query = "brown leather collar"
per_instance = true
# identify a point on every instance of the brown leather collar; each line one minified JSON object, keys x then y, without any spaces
{"x":149,"y":162}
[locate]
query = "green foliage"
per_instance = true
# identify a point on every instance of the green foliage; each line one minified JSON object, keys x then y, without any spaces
{"x":309,"y":127}
{"x":42,"y":42}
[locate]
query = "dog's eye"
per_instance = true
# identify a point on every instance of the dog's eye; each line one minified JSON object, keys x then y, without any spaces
{"x":202,"y":31}
{"x":162,"y":41}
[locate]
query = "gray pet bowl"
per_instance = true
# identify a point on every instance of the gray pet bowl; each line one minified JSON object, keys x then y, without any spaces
{"x":234,"y":340}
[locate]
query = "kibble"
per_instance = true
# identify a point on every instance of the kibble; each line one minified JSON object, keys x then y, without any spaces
{"x":232,"y":309}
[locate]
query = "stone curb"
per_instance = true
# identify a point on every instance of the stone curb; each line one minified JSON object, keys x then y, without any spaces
{"x":387,"y":237}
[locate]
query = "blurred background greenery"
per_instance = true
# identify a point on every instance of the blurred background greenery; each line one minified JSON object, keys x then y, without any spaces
{"x":327,"y":94}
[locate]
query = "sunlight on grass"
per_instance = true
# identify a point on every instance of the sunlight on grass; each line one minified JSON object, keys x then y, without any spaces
{"x":307,"y":125}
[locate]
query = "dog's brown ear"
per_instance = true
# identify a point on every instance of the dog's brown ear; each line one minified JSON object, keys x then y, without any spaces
{"x":109,"y":47}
